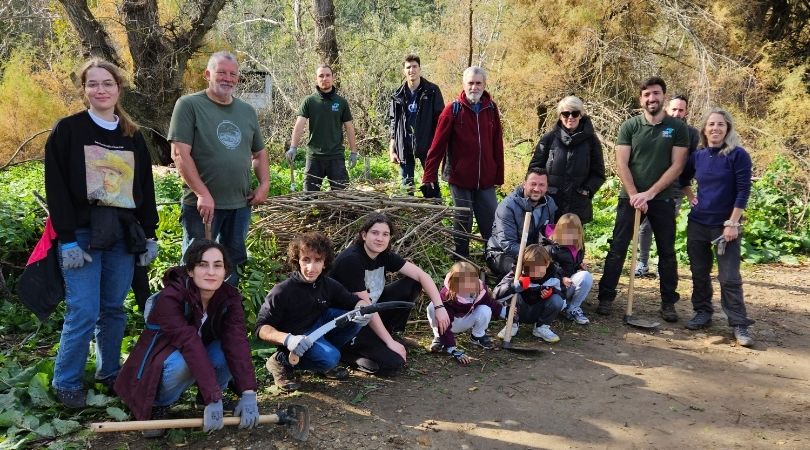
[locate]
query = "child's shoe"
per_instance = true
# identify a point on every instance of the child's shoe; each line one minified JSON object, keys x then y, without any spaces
{"x":484,"y":341}
{"x":544,"y":332}
{"x":575,"y":314}
{"x":502,"y":333}
{"x":435,"y":345}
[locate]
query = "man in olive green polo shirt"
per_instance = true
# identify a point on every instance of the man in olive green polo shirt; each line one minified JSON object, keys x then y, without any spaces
{"x":650,"y":154}
{"x":327,"y":113}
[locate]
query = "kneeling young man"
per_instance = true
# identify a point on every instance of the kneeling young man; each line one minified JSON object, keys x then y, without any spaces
{"x":299,"y":305}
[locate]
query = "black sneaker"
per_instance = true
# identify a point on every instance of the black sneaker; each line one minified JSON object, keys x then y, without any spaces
{"x":484,"y":341}
{"x":668,"y":312}
{"x":702,"y":319}
{"x":158,"y":413}
{"x":72,"y":399}
{"x":282,"y":372}
{"x":336,"y":373}
{"x":604,"y":308}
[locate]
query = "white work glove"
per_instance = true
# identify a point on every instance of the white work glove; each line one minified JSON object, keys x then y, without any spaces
{"x":353,"y":157}
{"x":362,"y":319}
{"x":297,"y":344}
{"x":73,"y":256}
{"x":146,"y":258}
{"x":290,"y":155}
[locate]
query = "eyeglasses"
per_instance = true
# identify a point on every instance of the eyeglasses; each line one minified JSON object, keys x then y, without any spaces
{"x":568,"y":114}
{"x":107,"y":85}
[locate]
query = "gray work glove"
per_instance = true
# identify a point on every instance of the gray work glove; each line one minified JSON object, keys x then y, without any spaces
{"x":73,"y":256}
{"x":212,"y":417}
{"x":297,"y":343}
{"x":362,"y":319}
{"x":290,"y":155}
{"x":353,"y":157}
{"x":247,"y":410}
{"x":720,"y":242}
{"x":146,"y":258}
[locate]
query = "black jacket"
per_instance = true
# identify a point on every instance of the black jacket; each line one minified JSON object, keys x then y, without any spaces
{"x":563,"y":257}
{"x":574,"y":163}
{"x":430,"y":105}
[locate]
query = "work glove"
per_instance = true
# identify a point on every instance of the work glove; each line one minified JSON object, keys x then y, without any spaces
{"x":290,"y":155}
{"x":430,"y":190}
{"x":73,"y":256}
{"x":362,"y":319}
{"x":247,"y":410}
{"x":212,"y":417}
{"x":297,"y":343}
{"x":517,"y":286}
{"x":546,"y":292}
{"x":353,"y":157}
{"x":146,"y":258}
{"x":720,"y":242}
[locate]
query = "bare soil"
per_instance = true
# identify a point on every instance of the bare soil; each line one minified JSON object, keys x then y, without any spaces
{"x":604,"y":385}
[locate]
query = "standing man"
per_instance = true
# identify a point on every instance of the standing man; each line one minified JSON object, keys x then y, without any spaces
{"x":413,"y":114}
{"x":469,"y":139}
{"x":503,"y":245}
{"x":327,"y":113}
{"x":215,"y":141}
{"x":678,"y":108}
{"x":650,"y":154}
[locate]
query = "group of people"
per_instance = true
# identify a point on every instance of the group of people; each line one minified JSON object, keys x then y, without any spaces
{"x":101,"y":200}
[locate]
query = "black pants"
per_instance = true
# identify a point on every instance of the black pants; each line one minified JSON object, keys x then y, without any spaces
{"x":661,"y":214}
{"x":140,"y":285}
{"x":367,"y":350}
{"x":318,"y":169}
{"x":500,"y":263}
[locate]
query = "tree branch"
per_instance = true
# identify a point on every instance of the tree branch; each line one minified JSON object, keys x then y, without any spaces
{"x":95,"y":40}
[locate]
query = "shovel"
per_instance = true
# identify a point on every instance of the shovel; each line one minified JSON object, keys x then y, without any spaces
{"x":628,"y":317}
{"x":208,"y":231}
{"x":295,"y":418}
{"x":507,"y":335}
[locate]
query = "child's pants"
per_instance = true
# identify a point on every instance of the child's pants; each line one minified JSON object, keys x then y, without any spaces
{"x":478,"y":320}
{"x":581,"y":283}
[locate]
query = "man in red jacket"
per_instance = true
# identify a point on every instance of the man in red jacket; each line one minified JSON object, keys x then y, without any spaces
{"x":469,"y":137}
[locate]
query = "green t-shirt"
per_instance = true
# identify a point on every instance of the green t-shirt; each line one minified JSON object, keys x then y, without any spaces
{"x":326,"y":118}
{"x":651,"y":149}
{"x":222,"y":139}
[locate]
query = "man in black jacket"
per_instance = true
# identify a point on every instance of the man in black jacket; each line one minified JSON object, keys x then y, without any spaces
{"x":413,"y":113}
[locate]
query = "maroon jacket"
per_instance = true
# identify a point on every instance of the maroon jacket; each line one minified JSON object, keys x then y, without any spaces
{"x":457,"y":307}
{"x":172,"y":325}
{"x":472,"y":142}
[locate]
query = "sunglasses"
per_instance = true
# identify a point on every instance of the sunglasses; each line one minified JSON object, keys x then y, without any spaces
{"x":568,"y":114}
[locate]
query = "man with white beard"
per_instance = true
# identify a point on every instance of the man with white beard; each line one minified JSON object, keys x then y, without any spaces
{"x":469,"y":139}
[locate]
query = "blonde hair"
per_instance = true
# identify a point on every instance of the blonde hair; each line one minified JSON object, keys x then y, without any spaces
{"x":458,"y":272}
{"x":731,"y":140}
{"x":571,"y":103}
{"x":128,"y":126}
{"x":569,"y":222}
{"x":537,"y":255}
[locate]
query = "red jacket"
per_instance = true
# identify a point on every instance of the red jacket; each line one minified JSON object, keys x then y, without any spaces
{"x":473,"y":144}
{"x":172,"y":325}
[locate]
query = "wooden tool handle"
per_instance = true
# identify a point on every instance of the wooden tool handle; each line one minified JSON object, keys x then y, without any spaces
{"x":293,"y":359}
{"x":524,"y":238}
{"x":139,"y":425}
{"x":208,"y":231}
{"x":633,"y":261}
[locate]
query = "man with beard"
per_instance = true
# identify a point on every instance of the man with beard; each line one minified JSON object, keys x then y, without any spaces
{"x":650,"y":154}
{"x":469,"y":139}
{"x":503,"y":245}
{"x":328,"y":113}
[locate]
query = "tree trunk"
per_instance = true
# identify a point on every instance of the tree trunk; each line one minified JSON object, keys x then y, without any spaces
{"x":327,"y":46}
{"x":159,"y":53}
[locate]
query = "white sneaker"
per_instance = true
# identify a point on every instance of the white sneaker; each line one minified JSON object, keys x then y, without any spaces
{"x":544,"y":332}
{"x":502,"y":333}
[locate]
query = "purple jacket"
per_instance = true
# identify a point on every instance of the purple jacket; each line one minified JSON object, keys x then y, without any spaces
{"x":172,"y":325}
{"x":462,"y":307}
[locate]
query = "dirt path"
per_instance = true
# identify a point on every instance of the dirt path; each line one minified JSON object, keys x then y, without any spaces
{"x":602,"y":386}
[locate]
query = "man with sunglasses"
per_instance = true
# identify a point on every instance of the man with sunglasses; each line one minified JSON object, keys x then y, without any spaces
{"x":650,"y":154}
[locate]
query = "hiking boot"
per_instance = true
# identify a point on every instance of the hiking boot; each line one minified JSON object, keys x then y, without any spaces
{"x":642,"y":269}
{"x":484,"y":341}
{"x":575,"y":314}
{"x":502,"y":333}
{"x":603,"y":309}
{"x":72,"y":399}
{"x":282,"y":372}
{"x":336,"y":373}
{"x":702,"y":319}
{"x":668,"y":312}
{"x":544,"y":332}
{"x":158,"y":413}
{"x":435,"y":345}
{"x":743,"y":338}
{"x":109,"y":383}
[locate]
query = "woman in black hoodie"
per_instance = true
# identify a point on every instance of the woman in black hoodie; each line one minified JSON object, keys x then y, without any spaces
{"x":572,"y":155}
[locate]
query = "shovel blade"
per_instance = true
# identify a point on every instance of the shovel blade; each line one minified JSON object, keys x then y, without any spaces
{"x":297,"y":422}
{"x":640,"y":323}
{"x":507,"y":345}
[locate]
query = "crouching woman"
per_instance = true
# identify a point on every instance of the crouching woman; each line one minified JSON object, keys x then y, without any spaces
{"x":195,"y":333}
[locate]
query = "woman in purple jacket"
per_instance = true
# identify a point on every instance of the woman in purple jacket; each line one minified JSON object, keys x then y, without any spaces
{"x":195,"y":333}
{"x":723,"y":172}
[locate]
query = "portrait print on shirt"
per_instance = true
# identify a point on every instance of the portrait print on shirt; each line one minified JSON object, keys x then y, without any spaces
{"x":109,"y":176}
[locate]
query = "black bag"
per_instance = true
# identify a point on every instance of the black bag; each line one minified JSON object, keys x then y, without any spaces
{"x":41,"y":286}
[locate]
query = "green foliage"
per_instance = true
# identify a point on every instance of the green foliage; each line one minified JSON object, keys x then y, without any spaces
{"x":21,"y":218}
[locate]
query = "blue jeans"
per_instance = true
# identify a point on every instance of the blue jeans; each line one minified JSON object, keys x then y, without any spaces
{"x":94,"y":299}
{"x":406,"y":170}
{"x":581,"y":283}
{"x":324,"y":354}
{"x":176,"y":376}
{"x":229,"y":228}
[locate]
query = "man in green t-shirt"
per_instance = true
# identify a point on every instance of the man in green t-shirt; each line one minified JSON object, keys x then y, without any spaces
{"x":650,"y":154}
{"x":215,"y":142}
{"x":327,"y":113}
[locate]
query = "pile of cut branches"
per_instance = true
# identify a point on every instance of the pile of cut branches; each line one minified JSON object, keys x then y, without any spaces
{"x":424,"y":231}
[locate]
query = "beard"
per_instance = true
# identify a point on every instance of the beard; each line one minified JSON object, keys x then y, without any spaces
{"x":653,"y":110}
{"x":473,"y":98}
